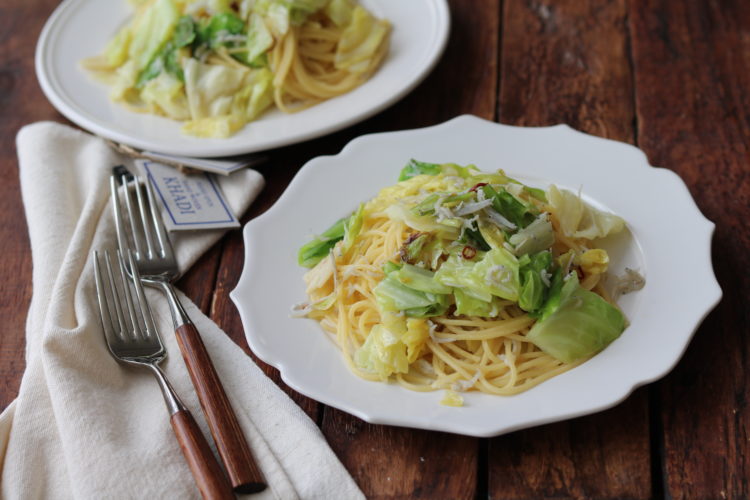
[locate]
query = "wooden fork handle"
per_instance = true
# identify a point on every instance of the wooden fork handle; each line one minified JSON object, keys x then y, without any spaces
{"x":207,"y":472}
{"x":243,"y":472}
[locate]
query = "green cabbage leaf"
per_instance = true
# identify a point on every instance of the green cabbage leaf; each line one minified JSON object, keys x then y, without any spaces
{"x":575,"y":323}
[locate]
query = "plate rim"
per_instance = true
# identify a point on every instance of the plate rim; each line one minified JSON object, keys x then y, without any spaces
{"x":712,"y":292}
{"x":71,"y":110}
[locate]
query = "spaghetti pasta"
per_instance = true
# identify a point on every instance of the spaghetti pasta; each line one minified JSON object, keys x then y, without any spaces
{"x":383,"y":284}
{"x":304,"y":66}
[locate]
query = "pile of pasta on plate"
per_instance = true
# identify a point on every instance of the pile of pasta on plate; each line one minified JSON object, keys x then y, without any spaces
{"x":218,"y":64}
{"x":461,"y":280}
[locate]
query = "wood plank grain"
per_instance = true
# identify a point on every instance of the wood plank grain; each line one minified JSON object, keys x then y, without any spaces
{"x":599,"y":456}
{"x":21,"y":102}
{"x":692,"y":69}
{"x":393,"y":462}
{"x":198,"y":282}
{"x":567,"y":62}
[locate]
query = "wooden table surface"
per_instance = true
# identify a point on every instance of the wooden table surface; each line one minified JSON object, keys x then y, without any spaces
{"x":670,"y":76}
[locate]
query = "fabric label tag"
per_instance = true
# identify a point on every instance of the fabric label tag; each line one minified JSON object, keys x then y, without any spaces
{"x":188,"y":202}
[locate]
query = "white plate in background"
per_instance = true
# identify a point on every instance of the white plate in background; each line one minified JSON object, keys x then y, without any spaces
{"x":668,"y":240}
{"x":81,"y":28}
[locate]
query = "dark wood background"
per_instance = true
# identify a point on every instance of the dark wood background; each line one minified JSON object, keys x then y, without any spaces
{"x":670,"y":76}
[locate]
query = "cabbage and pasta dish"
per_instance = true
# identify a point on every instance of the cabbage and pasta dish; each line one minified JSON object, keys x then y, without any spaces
{"x":218,"y":64}
{"x":454,"y":279}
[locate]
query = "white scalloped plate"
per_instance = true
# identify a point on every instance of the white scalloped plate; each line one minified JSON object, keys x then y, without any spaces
{"x":81,"y":28}
{"x":669,"y":241}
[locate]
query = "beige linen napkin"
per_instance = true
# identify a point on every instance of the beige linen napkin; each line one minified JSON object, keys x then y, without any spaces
{"x":85,"y":426}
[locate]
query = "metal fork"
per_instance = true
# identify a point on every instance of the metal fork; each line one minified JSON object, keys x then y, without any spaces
{"x":132,"y":338}
{"x":144,"y":234}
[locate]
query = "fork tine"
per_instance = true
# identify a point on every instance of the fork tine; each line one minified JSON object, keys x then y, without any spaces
{"x":114,"y":186}
{"x":116,"y":299}
{"x":104,"y":305}
{"x":145,"y":310}
{"x":134,"y":230}
{"x":144,"y":213}
{"x":161,"y":233}
{"x":135,"y":315}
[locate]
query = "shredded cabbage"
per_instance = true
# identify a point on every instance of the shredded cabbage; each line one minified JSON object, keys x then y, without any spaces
{"x":152,"y":28}
{"x":221,"y":51}
{"x":578,"y":219}
{"x":383,"y":353}
{"x":360,"y":41}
